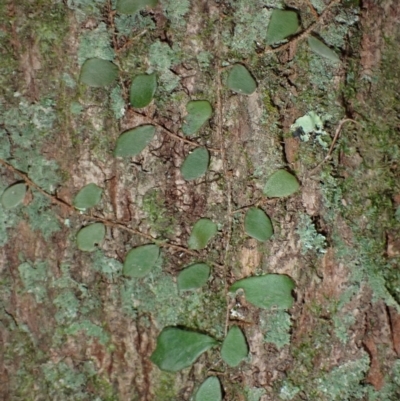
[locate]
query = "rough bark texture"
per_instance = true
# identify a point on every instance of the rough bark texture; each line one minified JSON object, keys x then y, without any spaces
{"x":73,"y":327}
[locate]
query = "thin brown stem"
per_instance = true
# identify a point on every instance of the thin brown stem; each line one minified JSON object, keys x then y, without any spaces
{"x":111,"y":223}
{"x":171,"y":134}
{"x":334,"y":140}
{"x":305,"y":33}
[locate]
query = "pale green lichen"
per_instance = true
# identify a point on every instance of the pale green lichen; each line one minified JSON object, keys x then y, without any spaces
{"x":254,"y":393}
{"x":288,"y":391}
{"x":250,"y":19}
{"x":276,"y":325}
{"x":175,"y":11}
{"x":344,"y":382}
{"x":117,"y":102}
{"x":33,"y":277}
{"x":310,"y":239}
{"x":96,"y":43}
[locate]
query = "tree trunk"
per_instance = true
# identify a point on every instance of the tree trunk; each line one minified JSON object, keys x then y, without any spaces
{"x":309,"y":87}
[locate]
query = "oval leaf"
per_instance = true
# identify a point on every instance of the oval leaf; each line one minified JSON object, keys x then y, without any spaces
{"x":199,"y":112}
{"x":322,"y":49}
{"x":13,"y":195}
{"x":98,"y":72}
{"x":143,"y":88}
{"x":133,"y":6}
{"x":139,"y":261}
{"x":257,"y":224}
{"x":193,"y":277}
{"x":90,"y":236}
{"x":281,"y":25}
{"x":280,"y":184}
{"x":196,"y":164}
{"x":202,"y":232}
{"x":210,"y":390}
{"x":234,"y":348}
{"x":271,"y":290}
{"x":132,"y":142}
{"x":177,"y":349}
{"x":241,"y":81}
{"x":88,"y":197}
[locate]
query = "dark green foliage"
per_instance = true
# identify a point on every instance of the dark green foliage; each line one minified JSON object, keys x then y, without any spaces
{"x":97,"y":72}
{"x":139,"y":261}
{"x":322,"y":49}
{"x":178,"y":349}
{"x":240,"y":80}
{"x":257,"y":224}
{"x":199,"y":112}
{"x":234,"y":348}
{"x":193,"y":276}
{"x":132,"y":142}
{"x":281,"y":25}
{"x":90,"y":237}
{"x":143,"y":88}
{"x":201,"y":234}
{"x":270,"y":290}
{"x":281,"y":184}
{"x":13,"y":195}
{"x":210,"y":390}
{"x":88,"y":196}
{"x":196,"y":164}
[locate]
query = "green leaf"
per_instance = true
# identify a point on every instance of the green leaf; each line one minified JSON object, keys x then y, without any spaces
{"x":240,"y":80}
{"x":13,"y":195}
{"x":88,"y":197}
{"x":257,"y":224}
{"x":210,"y":390}
{"x":90,"y":236}
{"x":322,"y":49}
{"x":196,"y":164}
{"x":139,"y":261}
{"x":177,"y":348}
{"x":234,"y":348}
{"x":193,"y":276}
{"x":199,"y":112}
{"x":281,"y":25}
{"x":270,"y":290}
{"x":132,"y":142}
{"x":143,"y":88}
{"x":281,"y":184}
{"x":133,"y":6}
{"x":98,"y":72}
{"x":202,"y":232}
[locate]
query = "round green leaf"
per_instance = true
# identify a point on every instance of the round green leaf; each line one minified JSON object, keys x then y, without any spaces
{"x":177,"y":348}
{"x":270,"y":290}
{"x":199,"y":111}
{"x":143,"y":88}
{"x":234,"y":348}
{"x":88,"y":197}
{"x":240,"y":80}
{"x":322,"y":49}
{"x":194,"y":276}
{"x":98,"y":72}
{"x":139,"y":261}
{"x":90,"y":236}
{"x":202,"y":232}
{"x":132,"y":142}
{"x":281,"y":25}
{"x":13,"y":195}
{"x":281,"y":184}
{"x":210,"y":390}
{"x":196,"y":164}
{"x":133,"y":6}
{"x":257,"y":224}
